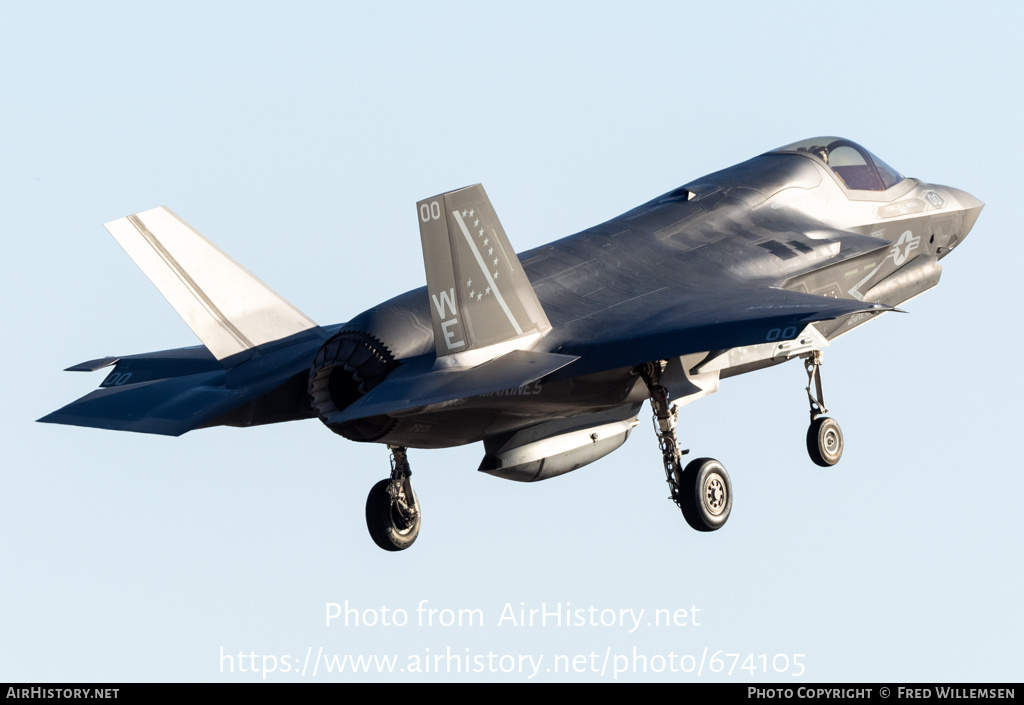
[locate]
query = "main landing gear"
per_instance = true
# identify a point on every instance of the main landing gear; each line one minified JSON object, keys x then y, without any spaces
{"x":824,"y":437}
{"x":392,"y":509}
{"x":702,"y":490}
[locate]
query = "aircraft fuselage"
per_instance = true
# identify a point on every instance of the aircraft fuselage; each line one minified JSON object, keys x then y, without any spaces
{"x":781,"y":219}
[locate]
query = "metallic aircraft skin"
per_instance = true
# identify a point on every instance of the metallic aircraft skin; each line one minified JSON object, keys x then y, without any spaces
{"x":741,"y":269}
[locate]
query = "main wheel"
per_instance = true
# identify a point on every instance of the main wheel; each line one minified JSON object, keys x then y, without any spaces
{"x":825,"y":441}
{"x":394,"y":523}
{"x":705,"y":494}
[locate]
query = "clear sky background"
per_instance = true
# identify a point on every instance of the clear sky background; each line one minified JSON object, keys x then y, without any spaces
{"x":298,"y":137}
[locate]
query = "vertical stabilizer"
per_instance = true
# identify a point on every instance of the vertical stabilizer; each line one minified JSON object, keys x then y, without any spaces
{"x":481,"y":303}
{"x":223,"y":303}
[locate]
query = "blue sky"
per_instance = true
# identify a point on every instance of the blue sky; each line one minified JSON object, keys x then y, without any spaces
{"x":298,"y":138}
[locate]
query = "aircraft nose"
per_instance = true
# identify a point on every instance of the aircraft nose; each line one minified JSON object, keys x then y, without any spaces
{"x":971,"y":207}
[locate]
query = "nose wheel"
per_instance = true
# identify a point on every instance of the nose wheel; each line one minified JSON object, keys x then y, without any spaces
{"x":825,"y":441}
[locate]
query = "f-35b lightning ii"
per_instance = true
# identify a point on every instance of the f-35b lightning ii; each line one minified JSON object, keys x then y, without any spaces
{"x":547,"y":357}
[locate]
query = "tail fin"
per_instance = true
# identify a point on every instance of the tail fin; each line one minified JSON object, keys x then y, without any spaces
{"x":481,"y":303}
{"x":226,"y":306}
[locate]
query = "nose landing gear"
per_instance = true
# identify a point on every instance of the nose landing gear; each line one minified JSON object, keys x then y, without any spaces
{"x":824,"y":437}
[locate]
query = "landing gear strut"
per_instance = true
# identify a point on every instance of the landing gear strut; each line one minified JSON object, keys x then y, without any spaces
{"x":824,"y":437}
{"x":392,"y":509}
{"x":702,"y":490}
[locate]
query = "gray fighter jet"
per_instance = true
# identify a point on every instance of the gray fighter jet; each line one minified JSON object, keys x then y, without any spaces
{"x":547,"y":357}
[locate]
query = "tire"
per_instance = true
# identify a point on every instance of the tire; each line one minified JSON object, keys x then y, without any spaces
{"x":387,"y":528}
{"x":825,"y":441}
{"x":705,"y":494}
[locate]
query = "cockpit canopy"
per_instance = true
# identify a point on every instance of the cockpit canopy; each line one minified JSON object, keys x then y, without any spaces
{"x":855,"y":166}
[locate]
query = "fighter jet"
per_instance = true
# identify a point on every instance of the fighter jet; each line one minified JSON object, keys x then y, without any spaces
{"x":547,"y":357}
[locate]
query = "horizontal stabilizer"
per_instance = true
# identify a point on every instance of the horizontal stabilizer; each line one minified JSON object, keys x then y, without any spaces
{"x":173,"y":391}
{"x":168,"y":407}
{"x":408,"y":388}
{"x":223,"y":303}
{"x":93,"y":365}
